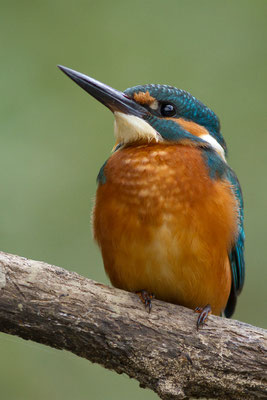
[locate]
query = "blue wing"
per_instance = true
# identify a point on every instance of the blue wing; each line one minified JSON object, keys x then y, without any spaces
{"x":236,"y":255}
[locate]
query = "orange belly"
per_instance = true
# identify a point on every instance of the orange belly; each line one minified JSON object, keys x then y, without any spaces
{"x":164,"y":226}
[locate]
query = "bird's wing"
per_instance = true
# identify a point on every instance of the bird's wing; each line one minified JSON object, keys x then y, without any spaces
{"x":236,"y":255}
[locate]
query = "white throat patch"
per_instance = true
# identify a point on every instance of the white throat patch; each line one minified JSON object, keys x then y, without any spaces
{"x":128,"y":129}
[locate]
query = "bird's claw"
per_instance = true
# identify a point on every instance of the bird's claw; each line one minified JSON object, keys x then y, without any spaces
{"x":204,"y":312}
{"x":146,"y":298}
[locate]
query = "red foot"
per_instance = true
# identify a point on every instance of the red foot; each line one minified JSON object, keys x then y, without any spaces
{"x":204,"y":312}
{"x":146,"y":298}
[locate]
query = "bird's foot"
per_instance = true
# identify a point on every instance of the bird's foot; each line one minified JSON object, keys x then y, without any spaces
{"x":204,"y":312}
{"x":146,"y":298}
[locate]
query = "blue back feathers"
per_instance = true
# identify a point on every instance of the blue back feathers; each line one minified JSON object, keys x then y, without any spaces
{"x":236,"y":255}
{"x":101,"y":177}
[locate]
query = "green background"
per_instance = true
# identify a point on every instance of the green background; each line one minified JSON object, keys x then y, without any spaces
{"x":54,"y":138}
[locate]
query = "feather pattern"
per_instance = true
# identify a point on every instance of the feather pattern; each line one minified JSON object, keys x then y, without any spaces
{"x":188,"y":106}
{"x":236,"y":255}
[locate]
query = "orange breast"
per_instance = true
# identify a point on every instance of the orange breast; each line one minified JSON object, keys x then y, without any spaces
{"x":163,"y":225}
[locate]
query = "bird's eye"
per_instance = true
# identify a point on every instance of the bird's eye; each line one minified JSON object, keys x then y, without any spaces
{"x":167,"y":110}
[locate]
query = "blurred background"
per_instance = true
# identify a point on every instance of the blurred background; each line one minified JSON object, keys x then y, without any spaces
{"x":55,"y":137}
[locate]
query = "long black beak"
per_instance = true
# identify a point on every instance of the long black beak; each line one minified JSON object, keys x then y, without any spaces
{"x":111,"y":98}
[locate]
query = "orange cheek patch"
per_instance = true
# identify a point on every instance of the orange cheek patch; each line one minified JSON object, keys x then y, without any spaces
{"x":192,"y":127}
{"x":144,"y":98}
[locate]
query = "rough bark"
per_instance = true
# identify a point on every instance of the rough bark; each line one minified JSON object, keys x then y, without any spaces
{"x":226,"y":359}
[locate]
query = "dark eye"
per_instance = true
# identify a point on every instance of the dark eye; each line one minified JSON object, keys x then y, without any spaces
{"x":167,"y":110}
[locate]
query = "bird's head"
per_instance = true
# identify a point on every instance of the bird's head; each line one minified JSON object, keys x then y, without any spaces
{"x":156,"y":113}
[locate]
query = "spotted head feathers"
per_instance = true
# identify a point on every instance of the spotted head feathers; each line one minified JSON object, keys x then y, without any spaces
{"x":164,"y":101}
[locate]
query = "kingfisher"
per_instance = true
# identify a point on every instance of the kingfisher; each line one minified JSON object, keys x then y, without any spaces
{"x":168,"y":214}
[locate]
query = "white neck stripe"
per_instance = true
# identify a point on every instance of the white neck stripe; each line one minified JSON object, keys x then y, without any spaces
{"x":216,"y":146}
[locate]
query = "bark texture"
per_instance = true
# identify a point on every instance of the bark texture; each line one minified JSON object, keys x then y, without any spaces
{"x":226,"y":359}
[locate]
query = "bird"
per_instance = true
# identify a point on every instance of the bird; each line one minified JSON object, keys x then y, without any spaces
{"x":168,"y":214}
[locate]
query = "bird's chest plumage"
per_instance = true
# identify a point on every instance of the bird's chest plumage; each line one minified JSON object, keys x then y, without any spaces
{"x":165,"y":226}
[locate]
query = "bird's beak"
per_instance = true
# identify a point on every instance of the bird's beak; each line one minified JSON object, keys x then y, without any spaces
{"x":111,"y":98}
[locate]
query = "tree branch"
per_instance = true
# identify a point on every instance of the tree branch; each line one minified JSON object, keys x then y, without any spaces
{"x":224,"y":360}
